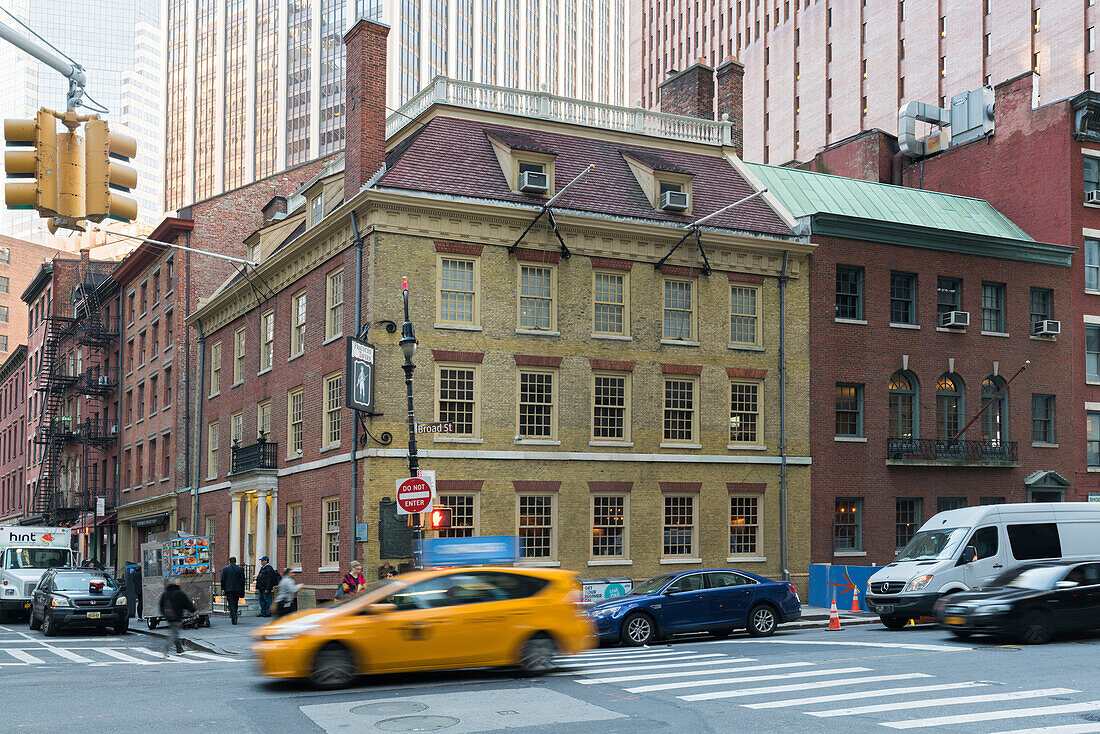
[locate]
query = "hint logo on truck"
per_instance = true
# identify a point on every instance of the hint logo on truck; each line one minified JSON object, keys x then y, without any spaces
{"x":14,"y":537}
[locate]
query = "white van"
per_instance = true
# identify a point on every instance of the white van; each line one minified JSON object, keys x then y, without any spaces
{"x":966,"y":548}
{"x":25,"y":554}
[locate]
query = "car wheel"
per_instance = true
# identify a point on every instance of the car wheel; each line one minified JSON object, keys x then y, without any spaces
{"x":762,"y":621}
{"x":961,"y":634}
{"x":1035,"y":630}
{"x":893,"y":622}
{"x":537,"y":656}
{"x":638,"y":629}
{"x":721,"y":633}
{"x":121,"y":628}
{"x":49,"y":627}
{"x":34,"y":623}
{"x":333,"y":667}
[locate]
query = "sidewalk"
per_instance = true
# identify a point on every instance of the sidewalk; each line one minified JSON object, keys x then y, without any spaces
{"x":225,"y":638}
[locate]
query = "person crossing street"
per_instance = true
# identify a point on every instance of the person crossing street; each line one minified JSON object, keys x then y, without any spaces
{"x":173,"y":605}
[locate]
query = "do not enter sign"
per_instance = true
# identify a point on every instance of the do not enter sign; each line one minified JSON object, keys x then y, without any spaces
{"x":414,"y":494}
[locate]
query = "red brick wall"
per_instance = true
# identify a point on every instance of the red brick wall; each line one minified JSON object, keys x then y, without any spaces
{"x":868,"y":156}
{"x":690,"y":92}
{"x":13,"y":439}
{"x":870,"y":353}
{"x":26,"y":258}
{"x":731,"y":99}
{"x":365,"y":89}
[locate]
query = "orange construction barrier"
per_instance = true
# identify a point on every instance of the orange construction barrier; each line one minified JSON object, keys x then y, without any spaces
{"x":834,"y":617}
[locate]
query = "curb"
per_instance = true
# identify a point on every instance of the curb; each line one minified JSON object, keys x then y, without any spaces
{"x":821,"y":624}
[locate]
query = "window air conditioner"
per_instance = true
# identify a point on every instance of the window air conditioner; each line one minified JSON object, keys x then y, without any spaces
{"x":114,"y":429}
{"x":1092,"y":197}
{"x":951,"y":319}
{"x":1046,"y":328}
{"x":534,"y":182}
{"x":104,"y":380}
{"x":674,"y":201}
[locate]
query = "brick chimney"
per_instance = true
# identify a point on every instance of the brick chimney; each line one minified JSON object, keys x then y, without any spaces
{"x":689,"y":92}
{"x":273,"y":208}
{"x":731,"y":100}
{"x":365,"y":103}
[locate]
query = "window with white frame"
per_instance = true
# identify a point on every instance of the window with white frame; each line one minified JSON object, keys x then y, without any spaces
{"x":1092,"y":265}
{"x":745,"y":412}
{"x":458,"y":391}
{"x":294,"y":535}
{"x":330,"y":531}
{"x":610,"y":529}
{"x":333,"y":398}
{"x":745,"y":525}
{"x":458,"y":283}
{"x":744,"y":316}
{"x":679,"y":410}
{"x":610,"y":406}
{"x":294,"y":422}
{"x":537,"y":405}
{"x":334,"y":308}
{"x":679,"y":315}
{"x":316,"y":209}
{"x":609,"y":303}
{"x":536,"y":297}
{"x":236,"y":424}
{"x":212,"y":450}
{"x":263,"y":419}
{"x":678,"y":526}
{"x":215,"y":366}
{"x":536,"y":526}
{"x":298,"y":324}
{"x":238,"y":355}
{"x":267,"y":340}
{"x":463,"y":515}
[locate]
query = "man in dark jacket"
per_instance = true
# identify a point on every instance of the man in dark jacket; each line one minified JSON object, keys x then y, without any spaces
{"x":173,"y":605}
{"x":232,"y":586}
{"x":266,"y":580}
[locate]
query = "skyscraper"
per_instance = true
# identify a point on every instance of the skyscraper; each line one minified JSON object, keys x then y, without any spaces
{"x":119,"y":44}
{"x":818,"y":71}
{"x":257,"y":86}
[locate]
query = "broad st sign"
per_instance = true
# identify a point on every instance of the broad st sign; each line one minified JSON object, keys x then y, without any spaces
{"x":360,"y":376}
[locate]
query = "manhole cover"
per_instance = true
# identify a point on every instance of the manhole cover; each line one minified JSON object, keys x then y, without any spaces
{"x":388,"y":708}
{"x":416,"y":723}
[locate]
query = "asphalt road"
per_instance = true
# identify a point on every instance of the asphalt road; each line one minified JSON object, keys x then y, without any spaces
{"x":862,"y":678}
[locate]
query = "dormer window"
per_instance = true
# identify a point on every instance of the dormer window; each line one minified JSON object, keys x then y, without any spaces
{"x":527,"y":169}
{"x":316,"y":209}
{"x":672,"y":196}
{"x":533,"y":179}
{"x":667,"y":189}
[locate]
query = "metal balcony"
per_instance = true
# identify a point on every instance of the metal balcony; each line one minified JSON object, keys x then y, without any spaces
{"x":935,"y":452}
{"x":260,"y":455}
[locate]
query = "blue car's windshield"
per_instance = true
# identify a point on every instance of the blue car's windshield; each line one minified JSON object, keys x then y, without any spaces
{"x":652,"y":586}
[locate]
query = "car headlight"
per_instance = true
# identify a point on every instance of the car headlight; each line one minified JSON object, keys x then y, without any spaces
{"x":605,"y":611}
{"x":120,"y":602}
{"x":290,"y":631}
{"x":995,"y":608}
{"x":59,"y":602}
{"x":917,"y":583}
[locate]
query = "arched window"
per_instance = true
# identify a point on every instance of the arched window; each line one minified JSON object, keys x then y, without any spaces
{"x":995,"y":411}
{"x":903,"y":405}
{"x":949,"y":406}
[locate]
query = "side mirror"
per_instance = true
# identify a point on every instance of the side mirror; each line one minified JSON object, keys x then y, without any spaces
{"x":379,"y":608}
{"x":969,"y":554}
{"x":1065,"y":584}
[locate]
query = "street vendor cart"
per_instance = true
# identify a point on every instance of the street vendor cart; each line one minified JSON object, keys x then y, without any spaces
{"x":184,"y":560}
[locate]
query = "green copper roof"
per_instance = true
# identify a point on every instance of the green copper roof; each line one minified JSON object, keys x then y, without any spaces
{"x":805,"y":193}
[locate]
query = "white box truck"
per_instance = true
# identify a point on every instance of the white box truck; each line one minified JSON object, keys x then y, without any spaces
{"x":25,"y":554}
{"x":963,"y":549}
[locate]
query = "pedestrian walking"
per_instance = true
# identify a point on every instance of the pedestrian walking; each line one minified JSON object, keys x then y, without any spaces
{"x":173,"y":605}
{"x":354,"y":582}
{"x":266,"y":581}
{"x":286,"y":600}
{"x":232,"y":586}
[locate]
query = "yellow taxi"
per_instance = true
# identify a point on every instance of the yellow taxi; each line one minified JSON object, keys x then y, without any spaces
{"x":432,"y":620}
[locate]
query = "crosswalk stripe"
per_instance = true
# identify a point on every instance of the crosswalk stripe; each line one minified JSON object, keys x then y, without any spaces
{"x":1069,"y":708}
{"x":799,"y":686}
{"x":744,"y":679}
{"x":118,"y":655}
{"x":160,"y":655}
{"x":26,"y":657}
{"x":68,"y":654}
{"x":848,"y":695}
{"x":661,"y":659}
{"x":216,"y":658}
{"x":1059,"y":729}
{"x":625,"y":654}
{"x":924,"y":703}
{"x":689,"y":673}
{"x":719,"y":660}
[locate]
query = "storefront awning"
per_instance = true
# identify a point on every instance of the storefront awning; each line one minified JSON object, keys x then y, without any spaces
{"x":150,"y":521}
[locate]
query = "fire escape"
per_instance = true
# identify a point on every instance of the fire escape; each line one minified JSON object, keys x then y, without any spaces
{"x":90,"y":330}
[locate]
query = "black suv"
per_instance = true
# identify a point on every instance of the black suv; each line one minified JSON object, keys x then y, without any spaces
{"x":78,"y":597}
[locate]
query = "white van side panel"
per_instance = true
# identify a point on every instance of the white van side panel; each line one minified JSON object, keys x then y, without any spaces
{"x":1080,"y":538}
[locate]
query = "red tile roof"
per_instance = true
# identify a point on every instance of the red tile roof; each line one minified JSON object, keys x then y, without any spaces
{"x":455,"y":157}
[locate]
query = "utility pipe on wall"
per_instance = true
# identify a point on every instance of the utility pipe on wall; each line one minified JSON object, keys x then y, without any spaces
{"x":783,"y":553}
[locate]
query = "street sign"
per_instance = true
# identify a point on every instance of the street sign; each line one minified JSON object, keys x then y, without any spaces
{"x":439,"y":427}
{"x":360,"y":371}
{"x":415,"y":494}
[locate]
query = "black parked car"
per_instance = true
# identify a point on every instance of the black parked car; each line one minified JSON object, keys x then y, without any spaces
{"x":78,"y":597}
{"x":1033,"y":602}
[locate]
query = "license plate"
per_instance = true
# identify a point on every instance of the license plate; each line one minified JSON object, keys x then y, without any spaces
{"x":885,"y":608}
{"x":93,"y":615}
{"x":954,"y":620}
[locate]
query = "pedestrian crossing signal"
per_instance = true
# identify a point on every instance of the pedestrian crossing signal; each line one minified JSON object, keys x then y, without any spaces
{"x":439,"y":518}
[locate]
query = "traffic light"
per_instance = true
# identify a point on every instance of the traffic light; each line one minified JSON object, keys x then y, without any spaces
{"x":439,"y":518}
{"x":35,"y":160}
{"x":70,"y":177}
{"x":108,"y":176}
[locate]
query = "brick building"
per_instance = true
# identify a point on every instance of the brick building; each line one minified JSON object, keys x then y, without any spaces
{"x":19,"y":262}
{"x":893,"y":379}
{"x":622,"y":419}
{"x":13,"y":426}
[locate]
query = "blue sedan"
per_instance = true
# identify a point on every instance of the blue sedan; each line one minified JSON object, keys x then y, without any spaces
{"x":715,"y":601}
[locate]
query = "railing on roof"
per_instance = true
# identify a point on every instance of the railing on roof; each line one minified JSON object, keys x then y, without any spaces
{"x":546,"y":106}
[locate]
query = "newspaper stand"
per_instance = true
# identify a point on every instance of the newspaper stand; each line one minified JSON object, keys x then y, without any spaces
{"x":182,"y":559}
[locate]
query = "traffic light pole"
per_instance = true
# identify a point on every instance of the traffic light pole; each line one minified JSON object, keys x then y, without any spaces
{"x":408,"y":348}
{"x":72,"y":71}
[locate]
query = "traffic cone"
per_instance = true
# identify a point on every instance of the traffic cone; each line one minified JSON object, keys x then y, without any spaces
{"x":834,"y":617}
{"x":855,"y":599}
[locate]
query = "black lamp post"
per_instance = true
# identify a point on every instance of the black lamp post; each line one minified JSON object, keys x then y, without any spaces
{"x":408,"y":348}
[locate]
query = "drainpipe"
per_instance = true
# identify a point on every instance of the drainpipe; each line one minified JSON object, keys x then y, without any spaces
{"x":783,"y":278}
{"x":197,"y":427}
{"x":189,"y":426}
{"x":354,"y":502}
